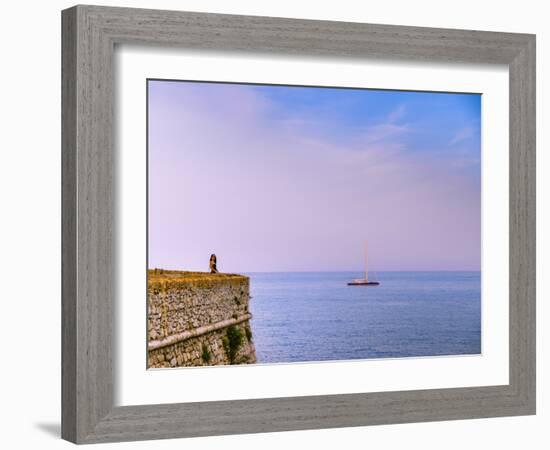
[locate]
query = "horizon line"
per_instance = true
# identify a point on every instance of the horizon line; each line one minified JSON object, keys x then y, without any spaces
{"x":322,"y":271}
{"x":362,"y":271}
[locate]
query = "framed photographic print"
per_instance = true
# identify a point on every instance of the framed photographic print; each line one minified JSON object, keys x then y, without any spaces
{"x":279,"y":224}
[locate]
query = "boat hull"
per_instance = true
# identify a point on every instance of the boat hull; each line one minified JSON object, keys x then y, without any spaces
{"x":363,"y":283}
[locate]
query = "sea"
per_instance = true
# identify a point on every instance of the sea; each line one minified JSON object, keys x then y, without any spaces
{"x":316,"y":316}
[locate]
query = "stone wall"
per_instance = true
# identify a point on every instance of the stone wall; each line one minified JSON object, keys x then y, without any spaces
{"x":198,"y":319}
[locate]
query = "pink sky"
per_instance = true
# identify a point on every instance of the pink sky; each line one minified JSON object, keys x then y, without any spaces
{"x":270,"y":185}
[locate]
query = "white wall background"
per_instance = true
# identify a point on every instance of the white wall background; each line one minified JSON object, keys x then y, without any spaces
{"x":30,"y":236}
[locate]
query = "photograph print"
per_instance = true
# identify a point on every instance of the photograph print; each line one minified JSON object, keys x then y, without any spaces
{"x":293,"y":224}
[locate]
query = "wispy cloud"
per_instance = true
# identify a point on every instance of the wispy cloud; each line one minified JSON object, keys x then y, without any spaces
{"x":387,"y":131}
{"x":397,"y":114}
{"x":384,"y":132}
{"x":462,"y":135}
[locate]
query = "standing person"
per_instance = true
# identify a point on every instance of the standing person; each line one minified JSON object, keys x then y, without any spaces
{"x":213,"y":268}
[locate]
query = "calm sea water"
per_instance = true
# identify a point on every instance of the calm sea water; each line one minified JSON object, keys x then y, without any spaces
{"x":317,"y":317}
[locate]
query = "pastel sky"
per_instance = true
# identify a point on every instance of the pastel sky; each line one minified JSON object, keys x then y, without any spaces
{"x":281,"y":178}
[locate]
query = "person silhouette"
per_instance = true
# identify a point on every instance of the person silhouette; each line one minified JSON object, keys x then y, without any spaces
{"x":213,"y":267}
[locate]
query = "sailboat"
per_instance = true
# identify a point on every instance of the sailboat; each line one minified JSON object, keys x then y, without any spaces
{"x":364,"y":281}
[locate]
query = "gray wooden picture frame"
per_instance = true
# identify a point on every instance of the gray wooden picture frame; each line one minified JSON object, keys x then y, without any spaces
{"x":90,"y":34}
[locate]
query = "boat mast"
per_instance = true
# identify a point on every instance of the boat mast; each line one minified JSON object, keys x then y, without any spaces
{"x":366,"y":263}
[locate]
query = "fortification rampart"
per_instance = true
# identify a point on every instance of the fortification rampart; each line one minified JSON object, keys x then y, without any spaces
{"x":198,"y":319}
